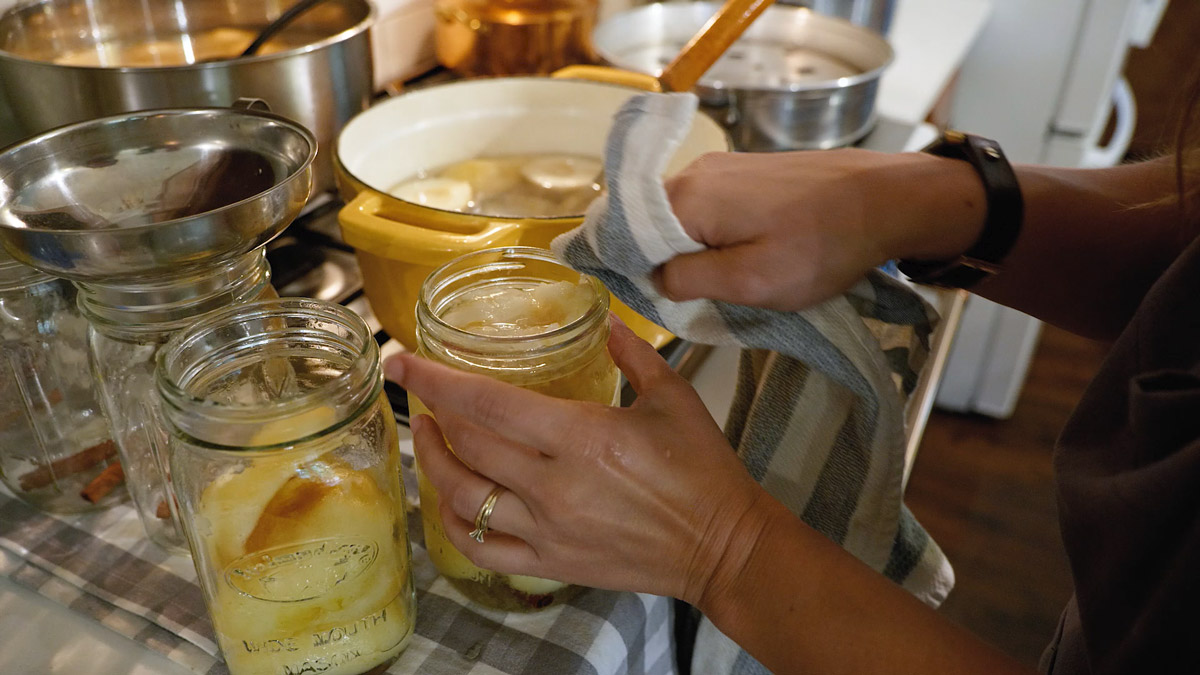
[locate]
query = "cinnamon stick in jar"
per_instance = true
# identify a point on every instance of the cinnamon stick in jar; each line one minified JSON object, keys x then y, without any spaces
{"x":80,"y":461}
{"x":104,"y":483}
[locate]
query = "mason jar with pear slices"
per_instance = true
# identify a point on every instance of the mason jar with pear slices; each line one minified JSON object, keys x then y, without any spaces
{"x":285,"y":462}
{"x":520,"y":316}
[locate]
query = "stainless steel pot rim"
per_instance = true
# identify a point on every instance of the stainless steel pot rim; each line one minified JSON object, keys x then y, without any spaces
{"x":341,"y":36}
{"x":815,"y":87}
{"x":832,"y":22}
{"x":66,"y":129}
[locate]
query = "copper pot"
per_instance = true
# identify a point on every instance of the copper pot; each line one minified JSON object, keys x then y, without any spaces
{"x":513,"y":37}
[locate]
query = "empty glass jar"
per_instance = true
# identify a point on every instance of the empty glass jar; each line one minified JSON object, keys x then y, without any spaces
{"x":56,"y":450}
{"x":285,"y":462}
{"x":129,"y":322}
{"x":520,"y":316}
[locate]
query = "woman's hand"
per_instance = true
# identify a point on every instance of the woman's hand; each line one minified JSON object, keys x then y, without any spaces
{"x":646,"y":498}
{"x":788,"y":230}
{"x":651,"y":498}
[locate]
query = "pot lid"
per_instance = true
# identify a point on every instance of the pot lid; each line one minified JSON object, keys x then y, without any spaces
{"x":787,"y":48}
{"x":752,"y":65}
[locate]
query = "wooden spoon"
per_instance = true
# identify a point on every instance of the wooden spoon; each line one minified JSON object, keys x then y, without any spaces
{"x":703,"y":50}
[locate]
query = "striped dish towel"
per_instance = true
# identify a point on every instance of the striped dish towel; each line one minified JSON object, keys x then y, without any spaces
{"x":818,"y":413}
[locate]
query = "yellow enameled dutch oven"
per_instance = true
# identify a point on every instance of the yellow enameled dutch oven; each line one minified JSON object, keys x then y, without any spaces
{"x":399,"y":242}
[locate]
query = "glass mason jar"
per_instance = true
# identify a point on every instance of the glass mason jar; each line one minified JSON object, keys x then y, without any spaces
{"x":520,"y":316}
{"x":56,"y":451}
{"x":286,"y":465}
{"x":129,"y":322}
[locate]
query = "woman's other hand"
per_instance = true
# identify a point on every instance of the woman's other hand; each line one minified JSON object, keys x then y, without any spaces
{"x":788,"y":230}
{"x":651,"y":498}
{"x":648,"y":498}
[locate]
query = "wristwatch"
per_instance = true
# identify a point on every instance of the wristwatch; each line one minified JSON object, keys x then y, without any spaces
{"x":1002,"y":224}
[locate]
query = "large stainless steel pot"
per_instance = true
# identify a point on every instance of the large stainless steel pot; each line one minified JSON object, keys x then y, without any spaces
{"x":795,"y":80}
{"x":65,"y":61}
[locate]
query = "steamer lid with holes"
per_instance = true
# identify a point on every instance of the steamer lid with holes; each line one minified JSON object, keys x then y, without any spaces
{"x":795,"y":80}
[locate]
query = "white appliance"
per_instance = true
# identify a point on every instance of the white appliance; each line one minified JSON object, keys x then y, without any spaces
{"x":1042,"y":79}
{"x":401,"y":41}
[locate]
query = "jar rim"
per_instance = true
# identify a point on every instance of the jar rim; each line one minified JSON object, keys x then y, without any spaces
{"x":355,"y":387}
{"x":15,"y":274}
{"x":504,"y":257}
{"x":132,"y":308}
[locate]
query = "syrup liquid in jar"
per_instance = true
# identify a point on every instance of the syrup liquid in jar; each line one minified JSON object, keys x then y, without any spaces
{"x":517,"y":315}
{"x":285,"y":461}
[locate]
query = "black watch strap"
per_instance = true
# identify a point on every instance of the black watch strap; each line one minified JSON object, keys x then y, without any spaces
{"x":1001,"y":226}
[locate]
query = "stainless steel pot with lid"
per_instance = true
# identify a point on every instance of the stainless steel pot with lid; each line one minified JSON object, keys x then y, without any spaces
{"x":65,"y":61}
{"x":795,"y":80}
{"x":873,"y":14}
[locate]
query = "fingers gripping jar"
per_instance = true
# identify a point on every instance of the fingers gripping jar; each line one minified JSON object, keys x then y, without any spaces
{"x":56,"y":450}
{"x":285,"y":461}
{"x":520,"y":316}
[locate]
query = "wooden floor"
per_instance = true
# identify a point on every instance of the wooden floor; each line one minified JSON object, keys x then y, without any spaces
{"x":983,"y":489}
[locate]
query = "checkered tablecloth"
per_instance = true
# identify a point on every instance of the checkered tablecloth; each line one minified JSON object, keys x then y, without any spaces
{"x":102,"y":566}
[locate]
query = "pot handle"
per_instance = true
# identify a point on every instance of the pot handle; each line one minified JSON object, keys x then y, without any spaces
{"x":364,"y":228}
{"x":724,"y":110}
{"x":608,"y":75}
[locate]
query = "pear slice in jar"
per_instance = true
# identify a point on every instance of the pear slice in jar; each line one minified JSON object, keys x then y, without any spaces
{"x":438,"y":193}
{"x":534,"y":585}
{"x":562,"y":172}
{"x":233,"y":503}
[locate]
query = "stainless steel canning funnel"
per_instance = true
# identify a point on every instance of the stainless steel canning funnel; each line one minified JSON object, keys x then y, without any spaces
{"x":151,"y":191}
